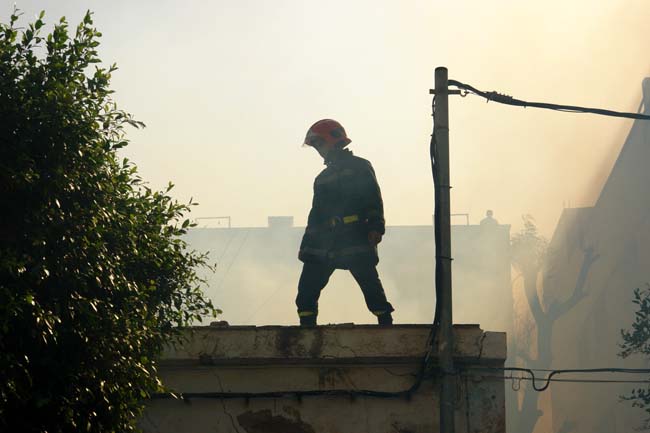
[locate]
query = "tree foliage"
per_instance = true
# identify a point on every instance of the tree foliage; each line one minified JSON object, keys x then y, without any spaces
{"x":94,"y":278}
{"x":528,"y":247}
{"x":636,"y":341}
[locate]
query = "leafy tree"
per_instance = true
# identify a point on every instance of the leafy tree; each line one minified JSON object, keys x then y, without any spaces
{"x":637,"y":341}
{"x":94,"y":278}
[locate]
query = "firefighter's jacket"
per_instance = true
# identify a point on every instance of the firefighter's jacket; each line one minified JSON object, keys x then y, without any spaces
{"x":347,"y":205}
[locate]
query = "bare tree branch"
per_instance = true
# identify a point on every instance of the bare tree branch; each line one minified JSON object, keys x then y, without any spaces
{"x":557,"y":310}
{"x":530,"y":289}
{"x":523,"y":355}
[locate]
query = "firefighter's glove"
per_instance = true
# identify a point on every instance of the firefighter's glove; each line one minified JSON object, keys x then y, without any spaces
{"x":374,"y":238}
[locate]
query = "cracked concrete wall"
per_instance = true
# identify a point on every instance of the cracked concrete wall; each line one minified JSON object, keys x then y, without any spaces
{"x":272,"y":359}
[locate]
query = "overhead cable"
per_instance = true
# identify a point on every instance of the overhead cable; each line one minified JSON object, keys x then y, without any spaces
{"x":407,"y":393}
{"x":529,"y":379}
{"x":282,"y":394}
{"x":552,"y":373}
{"x":509,"y":100}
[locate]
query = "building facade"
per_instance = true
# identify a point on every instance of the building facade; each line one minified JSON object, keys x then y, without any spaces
{"x":597,"y":257}
{"x":328,"y":379}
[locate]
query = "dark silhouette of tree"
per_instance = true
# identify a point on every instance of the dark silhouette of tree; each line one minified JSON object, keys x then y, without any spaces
{"x":94,"y":278}
{"x":529,"y":254}
{"x":636,"y":341}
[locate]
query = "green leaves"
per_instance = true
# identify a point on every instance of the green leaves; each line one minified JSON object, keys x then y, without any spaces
{"x":636,"y":341}
{"x":528,"y":247}
{"x":94,"y":277}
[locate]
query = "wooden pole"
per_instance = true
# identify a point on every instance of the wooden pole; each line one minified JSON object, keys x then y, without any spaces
{"x":443,"y":253}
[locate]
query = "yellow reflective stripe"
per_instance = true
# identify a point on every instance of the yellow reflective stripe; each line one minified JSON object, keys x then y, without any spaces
{"x":350,"y":219}
{"x":305,"y":313}
{"x":378,"y":313}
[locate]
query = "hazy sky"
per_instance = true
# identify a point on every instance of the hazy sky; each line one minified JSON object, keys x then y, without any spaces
{"x":228,"y":89}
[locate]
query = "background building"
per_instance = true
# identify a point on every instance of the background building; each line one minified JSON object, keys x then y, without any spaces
{"x":607,"y":247}
{"x":257,"y":274}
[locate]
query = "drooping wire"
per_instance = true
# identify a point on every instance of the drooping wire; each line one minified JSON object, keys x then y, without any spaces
{"x":234,"y":259}
{"x":266,"y":301}
{"x":509,"y":100}
{"x":433,"y":155}
{"x":281,"y":394}
{"x":552,"y":373}
{"x":528,"y":379}
{"x":408,"y":392}
{"x":435,"y":327}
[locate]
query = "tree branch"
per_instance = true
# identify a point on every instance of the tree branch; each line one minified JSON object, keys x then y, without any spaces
{"x":530,"y":289}
{"x":557,"y":310}
{"x":523,"y":355}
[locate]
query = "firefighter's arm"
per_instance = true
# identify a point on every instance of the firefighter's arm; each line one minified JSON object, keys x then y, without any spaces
{"x":374,"y":205}
{"x":314,"y":214}
{"x":374,"y":238}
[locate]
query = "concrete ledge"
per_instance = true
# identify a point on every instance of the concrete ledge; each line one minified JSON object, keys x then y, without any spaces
{"x":357,"y":361}
{"x":340,"y":344}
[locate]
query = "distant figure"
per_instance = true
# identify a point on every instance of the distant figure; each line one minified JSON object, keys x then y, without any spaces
{"x":489,"y":220}
{"x":345,"y":224}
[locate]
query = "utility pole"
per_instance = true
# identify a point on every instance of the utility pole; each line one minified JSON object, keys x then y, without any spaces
{"x":443,"y":252}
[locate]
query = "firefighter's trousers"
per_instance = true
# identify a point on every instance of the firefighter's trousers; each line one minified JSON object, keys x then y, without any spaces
{"x":315,"y":276}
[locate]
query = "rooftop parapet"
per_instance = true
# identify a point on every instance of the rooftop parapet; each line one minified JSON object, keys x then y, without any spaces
{"x":339,"y":343}
{"x":328,"y":379}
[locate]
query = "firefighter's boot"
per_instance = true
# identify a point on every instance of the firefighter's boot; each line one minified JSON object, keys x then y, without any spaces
{"x":308,"y":321}
{"x":385,"y":319}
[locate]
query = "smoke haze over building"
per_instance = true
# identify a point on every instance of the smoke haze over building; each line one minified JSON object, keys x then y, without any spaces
{"x":227,"y":90}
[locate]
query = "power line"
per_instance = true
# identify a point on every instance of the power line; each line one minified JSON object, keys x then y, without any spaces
{"x":516,"y":381}
{"x":616,"y":370}
{"x":552,"y":373}
{"x":225,"y":249}
{"x":528,"y":379}
{"x":509,"y":100}
{"x":266,"y":301}
{"x":234,"y":259}
{"x":407,"y":393}
{"x":280,"y":394}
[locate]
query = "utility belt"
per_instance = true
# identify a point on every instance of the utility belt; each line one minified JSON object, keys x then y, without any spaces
{"x":336,"y":221}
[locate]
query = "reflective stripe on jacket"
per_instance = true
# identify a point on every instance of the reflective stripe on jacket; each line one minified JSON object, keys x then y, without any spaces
{"x":347,"y":205}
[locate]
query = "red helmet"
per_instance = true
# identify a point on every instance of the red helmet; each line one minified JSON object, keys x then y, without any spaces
{"x":327,"y":131}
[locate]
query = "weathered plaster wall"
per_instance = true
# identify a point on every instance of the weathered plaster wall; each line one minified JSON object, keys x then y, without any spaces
{"x":274,"y":359}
